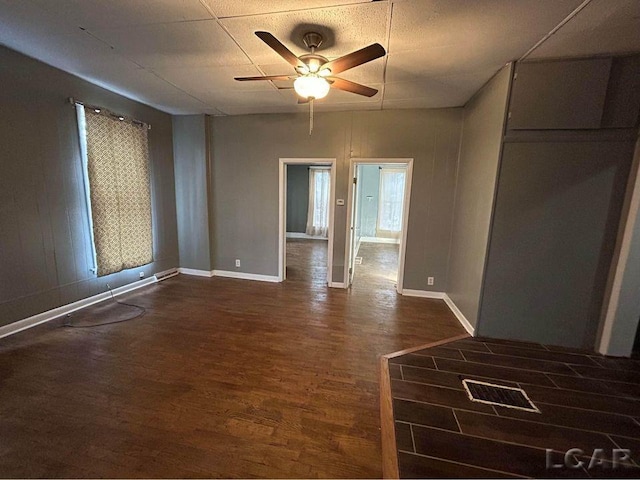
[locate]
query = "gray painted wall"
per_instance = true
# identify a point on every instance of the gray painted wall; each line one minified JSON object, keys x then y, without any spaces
{"x":483,"y":129}
{"x":297,"y":198}
{"x":191,"y":160}
{"x":369,"y":179}
{"x":44,"y":237}
{"x":558,"y":203}
{"x":245,"y":181}
{"x":554,"y":230}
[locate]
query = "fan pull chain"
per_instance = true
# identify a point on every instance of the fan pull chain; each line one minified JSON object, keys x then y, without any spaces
{"x":310,"y":115}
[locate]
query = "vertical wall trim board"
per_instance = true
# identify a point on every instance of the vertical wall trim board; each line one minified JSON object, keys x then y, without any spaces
{"x":455,"y":200}
{"x":208,"y":126}
{"x":607,"y":341}
{"x":511,"y":67}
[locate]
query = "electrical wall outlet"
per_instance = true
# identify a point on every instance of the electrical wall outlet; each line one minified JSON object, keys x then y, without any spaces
{"x":141,"y":274}
{"x":429,"y":280}
{"x":237,"y":263}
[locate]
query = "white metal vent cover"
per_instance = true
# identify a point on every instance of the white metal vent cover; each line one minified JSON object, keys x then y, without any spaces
{"x":491,"y":394}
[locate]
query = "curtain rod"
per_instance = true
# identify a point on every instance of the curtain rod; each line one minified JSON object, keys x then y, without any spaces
{"x":97,"y":109}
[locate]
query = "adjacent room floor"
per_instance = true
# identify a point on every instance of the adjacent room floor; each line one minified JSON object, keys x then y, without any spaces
{"x":586,"y":402}
{"x":307,"y":261}
{"x":379,"y":267}
{"x":220,"y":378}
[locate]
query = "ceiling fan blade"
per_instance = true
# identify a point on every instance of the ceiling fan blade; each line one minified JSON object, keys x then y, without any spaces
{"x":356,"y":58}
{"x":347,"y":86}
{"x":279,"y":48}
{"x":267,"y":77}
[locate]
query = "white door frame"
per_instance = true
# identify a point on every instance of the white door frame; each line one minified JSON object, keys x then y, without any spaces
{"x":282,"y":211}
{"x":405,"y":213}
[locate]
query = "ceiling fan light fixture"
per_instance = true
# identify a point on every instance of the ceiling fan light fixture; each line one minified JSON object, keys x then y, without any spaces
{"x":311,"y":86}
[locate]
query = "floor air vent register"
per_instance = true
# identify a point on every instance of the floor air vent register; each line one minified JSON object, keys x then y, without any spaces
{"x":509,"y":397}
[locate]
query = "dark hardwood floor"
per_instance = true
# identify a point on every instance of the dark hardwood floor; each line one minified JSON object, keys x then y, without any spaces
{"x":586,"y":402}
{"x":220,"y":378}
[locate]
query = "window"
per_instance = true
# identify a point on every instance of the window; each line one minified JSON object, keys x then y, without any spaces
{"x":318,"y":213}
{"x":391,"y":201}
{"x":116,"y":163}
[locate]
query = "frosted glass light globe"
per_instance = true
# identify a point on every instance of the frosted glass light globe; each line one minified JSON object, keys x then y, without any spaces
{"x":311,"y":86}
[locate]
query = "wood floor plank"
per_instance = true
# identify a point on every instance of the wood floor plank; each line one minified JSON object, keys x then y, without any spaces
{"x":436,"y":396}
{"x":414,"y":360}
{"x":417,"y":466}
{"x":530,"y":433}
{"x":441,"y":352}
{"x":590,"y":401}
{"x":425,"y":414}
{"x":395,"y":371}
{"x":576,"y":418}
{"x":530,"y":364}
{"x":444,"y":379}
{"x":403,"y":436}
{"x":554,"y":356}
{"x":483,"y":453}
{"x":617,"y":375}
{"x":492,"y":371}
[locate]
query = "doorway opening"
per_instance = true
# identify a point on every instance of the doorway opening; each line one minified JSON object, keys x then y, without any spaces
{"x":306,"y":201}
{"x":377,"y":227}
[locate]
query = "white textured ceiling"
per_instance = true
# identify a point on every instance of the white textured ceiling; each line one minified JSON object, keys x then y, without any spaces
{"x":181,"y":55}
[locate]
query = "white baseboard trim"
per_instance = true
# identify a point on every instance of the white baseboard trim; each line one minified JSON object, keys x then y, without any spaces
{"x":452,"y":306}
{"x":379,"y":240}
{"x":304,"y":235}
{"x":196,"y":273}
{"x":49,"y":315}
{"x":337,"y":285}
{"x":423,"y":294}
{"x":172,"y":272}
{"x":228,"y":274}
{"x":459,"y":315}
{"x":245,"y":276}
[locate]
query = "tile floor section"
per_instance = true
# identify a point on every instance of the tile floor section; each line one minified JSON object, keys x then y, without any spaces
{"x":589,"y":403}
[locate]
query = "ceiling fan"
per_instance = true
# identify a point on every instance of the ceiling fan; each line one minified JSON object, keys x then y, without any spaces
{"x":315,"y":74}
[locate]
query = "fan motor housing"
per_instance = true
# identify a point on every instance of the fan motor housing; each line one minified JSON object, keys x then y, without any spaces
{"x":312,"y":40}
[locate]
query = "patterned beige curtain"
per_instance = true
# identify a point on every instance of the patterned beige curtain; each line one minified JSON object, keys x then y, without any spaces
{"x":118,"y":171}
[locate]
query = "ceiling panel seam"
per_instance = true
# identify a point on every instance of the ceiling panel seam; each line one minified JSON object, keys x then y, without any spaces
{"x":294,"y":10}
{"x":180,"y":89}
{"x":567,"y":19}
{"x":226,"y":30}
{"x":386,"y":57}
{"x":126,"y":58}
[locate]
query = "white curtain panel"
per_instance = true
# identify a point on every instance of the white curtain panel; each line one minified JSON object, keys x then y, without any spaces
{"x":318,"y":213}
{"x":392,"y":182}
